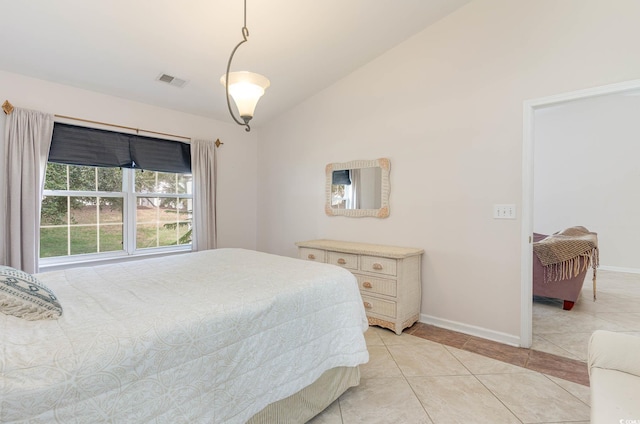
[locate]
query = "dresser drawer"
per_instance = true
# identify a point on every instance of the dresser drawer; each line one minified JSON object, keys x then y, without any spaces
{"x":315,"y":255}
{"x":345,"y":260}
{"x":379,"y":265}
{"x":376,"y":285}
{"x":379,"y":306}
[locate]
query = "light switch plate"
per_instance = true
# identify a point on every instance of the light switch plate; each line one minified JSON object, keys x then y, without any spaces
{"x":504,"y":211}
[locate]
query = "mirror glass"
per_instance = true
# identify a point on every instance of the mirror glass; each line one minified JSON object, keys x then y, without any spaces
{"x":358,"y":188}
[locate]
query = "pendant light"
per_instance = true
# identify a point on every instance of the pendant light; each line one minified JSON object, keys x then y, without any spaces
{"x":244,"y":87}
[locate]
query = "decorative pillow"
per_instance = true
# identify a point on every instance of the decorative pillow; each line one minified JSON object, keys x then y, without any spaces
{"x":23,"y":296}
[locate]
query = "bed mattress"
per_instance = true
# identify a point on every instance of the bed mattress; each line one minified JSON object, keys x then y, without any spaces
{"x":212,"y":336}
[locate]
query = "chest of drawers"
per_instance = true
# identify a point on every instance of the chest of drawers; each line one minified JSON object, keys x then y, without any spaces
{"x":389,"y":277}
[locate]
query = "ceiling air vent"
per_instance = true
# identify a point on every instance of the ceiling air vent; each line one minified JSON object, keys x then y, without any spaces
{"x":171,"y":80}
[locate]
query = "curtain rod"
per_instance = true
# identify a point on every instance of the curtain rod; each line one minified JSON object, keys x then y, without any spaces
{"x":121,"y":126}
{"x":7,"y":107}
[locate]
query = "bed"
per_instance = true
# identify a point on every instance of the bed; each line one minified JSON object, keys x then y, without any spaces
{"x":219,"y":336}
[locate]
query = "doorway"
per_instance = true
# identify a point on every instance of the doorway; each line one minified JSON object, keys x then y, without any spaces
{"x":530,"y":108}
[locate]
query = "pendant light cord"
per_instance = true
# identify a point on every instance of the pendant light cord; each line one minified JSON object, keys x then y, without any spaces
{"x":245,"y":13}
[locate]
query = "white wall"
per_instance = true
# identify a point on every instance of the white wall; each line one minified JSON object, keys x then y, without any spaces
{"x":446,"y":108}
{"x":586,"y":173}
{"x":237,"y":185}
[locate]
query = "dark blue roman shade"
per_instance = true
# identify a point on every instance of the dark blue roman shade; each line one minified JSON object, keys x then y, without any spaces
{"x":341,"y":177}
{"x":75,"y":145}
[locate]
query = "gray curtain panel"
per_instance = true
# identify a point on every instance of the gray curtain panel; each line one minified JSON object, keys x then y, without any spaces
{"x":23,"y":162}
{"x":203,"y":169}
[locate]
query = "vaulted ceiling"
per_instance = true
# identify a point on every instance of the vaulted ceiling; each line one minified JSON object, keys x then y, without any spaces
{"x":120,"y":47}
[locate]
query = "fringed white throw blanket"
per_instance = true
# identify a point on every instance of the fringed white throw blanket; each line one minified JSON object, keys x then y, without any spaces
{"x":567,"y":253}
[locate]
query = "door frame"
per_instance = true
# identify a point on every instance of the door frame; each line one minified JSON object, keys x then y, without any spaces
{"x":529,"y":108}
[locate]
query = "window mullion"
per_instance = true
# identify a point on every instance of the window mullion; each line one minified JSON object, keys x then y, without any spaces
{"x":68,"y":213}
{"x":130,"y":202}
{"x":78,"y":193}
{"x":98,"y":224}
{"x":157,"y":209}
{"x":68,"y":225}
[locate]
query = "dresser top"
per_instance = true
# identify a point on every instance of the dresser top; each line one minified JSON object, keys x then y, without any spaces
{"x":361,"y":248}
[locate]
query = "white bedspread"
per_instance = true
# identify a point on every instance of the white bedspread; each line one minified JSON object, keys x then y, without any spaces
{"x":206,"y":337}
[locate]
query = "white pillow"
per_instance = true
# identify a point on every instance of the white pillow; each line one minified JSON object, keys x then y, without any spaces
{"x":24,"y":296}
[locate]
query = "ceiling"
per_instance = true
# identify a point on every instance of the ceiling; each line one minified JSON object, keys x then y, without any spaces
{"x":120,"y":47}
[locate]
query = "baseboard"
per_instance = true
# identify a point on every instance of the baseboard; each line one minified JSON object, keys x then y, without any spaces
{"x":471,"y":330}
{"x":619,"y":269}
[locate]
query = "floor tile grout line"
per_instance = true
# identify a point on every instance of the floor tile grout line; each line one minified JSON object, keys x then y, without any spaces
{"x":526,"y":362}
{"x":407,"y":381}
{"x":499,"y":400}
{"x":452,"y":375}
{"x":613,"y":322}
{"x":424,"y":408}
{"x":468,"y":338}
{"x":576,"y":397}
{"x":483,"y":385}
{"x":471,"y":373}
{"x":559,"y":347}
{"x":387,"y":343}
{"x":458,"y":359}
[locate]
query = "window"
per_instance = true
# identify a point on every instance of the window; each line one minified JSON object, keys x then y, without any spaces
{"x":98,"y":203}
{"x":163,"y":209}
{"x":82,"y":211}
{"x":91,"y":210}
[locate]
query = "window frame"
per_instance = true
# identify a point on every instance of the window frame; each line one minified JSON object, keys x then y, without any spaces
{"x":129,"y":218}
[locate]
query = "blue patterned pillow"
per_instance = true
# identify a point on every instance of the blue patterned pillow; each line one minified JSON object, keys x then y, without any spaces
{"x":23,"y":296}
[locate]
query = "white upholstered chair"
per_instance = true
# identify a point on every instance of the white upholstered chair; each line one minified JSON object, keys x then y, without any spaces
{"x":614,"y":376}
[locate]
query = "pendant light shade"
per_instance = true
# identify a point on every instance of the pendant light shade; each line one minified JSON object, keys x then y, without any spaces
{"x":245,"y":88}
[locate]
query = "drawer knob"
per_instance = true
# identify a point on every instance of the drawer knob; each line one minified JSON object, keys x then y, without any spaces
{"x":377,"y":266}
{"x":368,"y":305}
{"x":367,"y":285}
{"x":342,"y":261}
{"x":311,"y":256}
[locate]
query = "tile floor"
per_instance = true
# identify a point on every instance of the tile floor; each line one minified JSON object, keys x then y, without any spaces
{"x":431,"y":375}
{"x":412,"y":380}
{"x":566,"y":333}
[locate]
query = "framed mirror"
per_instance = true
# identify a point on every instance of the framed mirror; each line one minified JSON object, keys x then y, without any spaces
{"x":358,"y":188}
